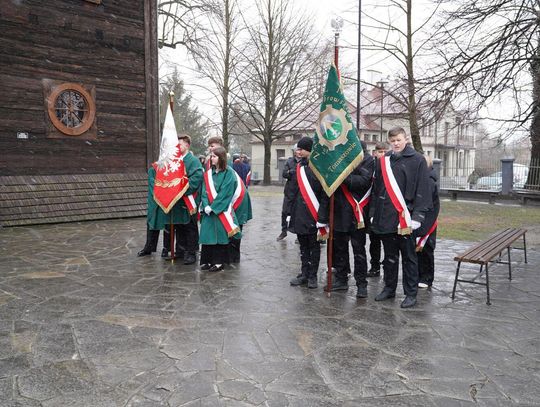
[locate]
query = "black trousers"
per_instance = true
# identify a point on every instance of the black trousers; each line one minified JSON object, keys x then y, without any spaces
{"x":284,"y":224}
{"x":187,"y":237}
{"x":234,"y":248}
{"x":395,"y":245}
{"x":214,"y":254}
{"x":426,"y":260}
{"x":152,"y":237}
{"x":375,"y":251}
{"x":341,"y":256}
{"x":310,"y":254}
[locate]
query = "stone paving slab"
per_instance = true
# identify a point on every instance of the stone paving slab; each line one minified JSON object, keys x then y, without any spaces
{"x":84,"y":322}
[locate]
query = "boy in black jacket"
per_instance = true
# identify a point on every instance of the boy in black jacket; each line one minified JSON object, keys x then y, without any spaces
{"x":351,"y":208}
{"x":426,"y":236}
{"x":289,"y":173}
{"x":399,"y":201}
{"x":306,"y":220}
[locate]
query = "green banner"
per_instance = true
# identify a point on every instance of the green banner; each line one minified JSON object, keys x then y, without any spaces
{"x":336,"y":148}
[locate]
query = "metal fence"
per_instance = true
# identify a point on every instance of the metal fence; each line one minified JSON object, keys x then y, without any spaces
{"x":490,"y":177}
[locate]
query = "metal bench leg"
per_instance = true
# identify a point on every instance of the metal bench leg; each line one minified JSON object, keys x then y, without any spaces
{"x":487,"y":284}
{"x":525,"y":248}
{"x":455,"y":280}
{"x":509,"y":265}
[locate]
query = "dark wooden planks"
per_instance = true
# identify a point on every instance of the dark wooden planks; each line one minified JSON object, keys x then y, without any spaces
{"x":66,"y":198}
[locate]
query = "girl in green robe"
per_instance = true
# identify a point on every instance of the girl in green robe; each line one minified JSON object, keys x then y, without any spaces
{"x":218,"y":220}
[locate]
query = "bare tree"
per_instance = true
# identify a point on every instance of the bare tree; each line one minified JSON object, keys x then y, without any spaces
{"x":278,"y":73}
{"x":406,"y":45}
{"x":491,"y":51}
{"x":179,"y":22}
{"x":217,"y":58}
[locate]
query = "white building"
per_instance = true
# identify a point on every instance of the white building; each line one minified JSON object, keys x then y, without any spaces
{"x":450,"y":138}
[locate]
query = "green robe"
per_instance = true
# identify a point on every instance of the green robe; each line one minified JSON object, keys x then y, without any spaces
{"x":155,"y":217}
{"x":212,"y":230}
{"x":194,"y":171}
{"x":159,"y":220}
{"x":243,"y":212}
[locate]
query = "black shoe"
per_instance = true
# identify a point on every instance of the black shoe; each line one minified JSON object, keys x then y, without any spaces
{"x":164,"y":253}
{"x":189,"y":258}
{"x":282,"y":236}
{"x":385,"y":295}
{"x":408,"y":302}
{"x":312,"y":282}
{"x":362,"y":292}
{"x":144,"y":252}
{"x":299,"y":280}
{"x":205,"y":266}
{"x":373,"y":272}
{"x":216,"y":267}
{"x":340,"y":285}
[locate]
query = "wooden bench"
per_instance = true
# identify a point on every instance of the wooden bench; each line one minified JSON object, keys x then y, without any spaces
{"x":490,"y":251}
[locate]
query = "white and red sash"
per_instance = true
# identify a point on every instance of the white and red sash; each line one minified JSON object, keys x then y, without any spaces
{"x":421,"y":241}
{"x":392,"y":187}
{"x":310,"y":199}
{"x":357,"y":206}
{"x":226,"y":217}
{"x":239,"y":192}
{"x":248,"y":178}
{"x":189,"y":200}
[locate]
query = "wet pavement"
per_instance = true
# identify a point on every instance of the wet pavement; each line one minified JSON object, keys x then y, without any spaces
{"x":84,"y":322}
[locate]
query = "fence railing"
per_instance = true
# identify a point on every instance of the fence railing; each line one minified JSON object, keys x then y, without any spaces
{"x":503,"y":175}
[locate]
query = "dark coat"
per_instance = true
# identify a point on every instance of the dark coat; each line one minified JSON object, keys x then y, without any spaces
{"x":289,"y":173}
{"x":412,"y":176}
{"x":302,"y":223}
{"x":433,"y":213}
{"x":358,"y":183}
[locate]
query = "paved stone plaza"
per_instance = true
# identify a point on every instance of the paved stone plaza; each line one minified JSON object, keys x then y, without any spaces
{"x":84,"y":322}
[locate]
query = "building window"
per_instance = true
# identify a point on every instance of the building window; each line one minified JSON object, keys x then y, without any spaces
{"x":71,"y":109}
{"x":280,"y":153}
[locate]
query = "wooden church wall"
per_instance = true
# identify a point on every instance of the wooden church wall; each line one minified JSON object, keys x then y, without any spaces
{"x":108,"y":48}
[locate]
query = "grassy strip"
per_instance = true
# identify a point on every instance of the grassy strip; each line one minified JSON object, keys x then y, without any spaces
{"x":472,"y":221}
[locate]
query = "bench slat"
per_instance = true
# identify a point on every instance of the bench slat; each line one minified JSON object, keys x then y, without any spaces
{"x":485,"y":251}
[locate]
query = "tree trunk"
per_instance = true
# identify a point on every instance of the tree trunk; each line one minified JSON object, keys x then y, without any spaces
{"x":411,"y":87}
{"x":267,"y":159}
{"x":533,"y":180}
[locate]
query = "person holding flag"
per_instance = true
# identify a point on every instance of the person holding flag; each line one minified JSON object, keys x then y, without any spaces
{"x":187,"y":232}
{"x":399,"y":201}
{"x":336,"y":149}
{"x":351,"y":220}
{"x":218,"y":219}
{"x":308,"y":214}
{"x":167,"y":183}
{"x":426,"y":235}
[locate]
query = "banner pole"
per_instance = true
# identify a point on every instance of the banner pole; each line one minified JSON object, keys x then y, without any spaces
{"x":171,"y":225}
{"x":337,"y":24}
{"x":330,"y":247}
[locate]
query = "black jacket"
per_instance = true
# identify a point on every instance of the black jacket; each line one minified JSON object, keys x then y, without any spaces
{"x":289,"y":173}
{"x":411,"y":173}
{"x":302,"y":223}
{"x":433,"y":213}
{"x":358,"y":183}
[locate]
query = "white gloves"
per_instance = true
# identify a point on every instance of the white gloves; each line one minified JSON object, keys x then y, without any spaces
{"x":288,"y":219}
{"x":415,"y":224}
{"x":207,"y":209}
{"x":321,"y":225}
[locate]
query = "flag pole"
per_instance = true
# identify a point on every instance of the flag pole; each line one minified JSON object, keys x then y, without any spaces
{"x":337,"y":23}
{"x":171,"y":225}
